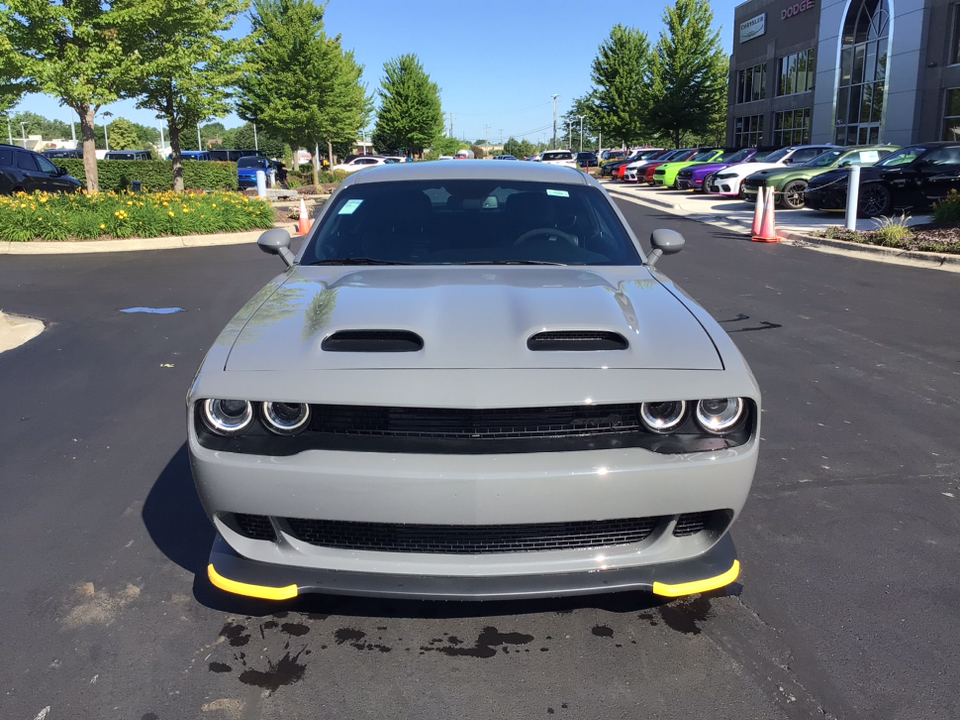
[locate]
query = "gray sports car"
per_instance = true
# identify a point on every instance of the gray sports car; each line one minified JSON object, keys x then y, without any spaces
{"x":472,"y":383}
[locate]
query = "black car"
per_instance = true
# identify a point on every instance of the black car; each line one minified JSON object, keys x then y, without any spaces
{"x":587,"y":159}
{"x":608,"y":169}
{"x":913,"y":177}
{"x":128,"y":155}
{"x":54,"y":153}
{"x":230,"y":155}
{"x":27,"y":171}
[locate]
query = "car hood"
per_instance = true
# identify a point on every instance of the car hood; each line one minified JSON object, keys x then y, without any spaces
{"x":744,"y":169}
{"x":708,"y":167}
{"x":469,"y":318}
{"x":841,"y":174}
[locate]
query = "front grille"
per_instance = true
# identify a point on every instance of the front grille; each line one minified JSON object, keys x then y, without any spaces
{"x":686,"y":173}
{"x":490,"y":424}
{"x":472,"y":539}
{"x":691,"y":523}
{"x":255,"y":527}
{"x":577,"y":340}
{"x":753,"y":184}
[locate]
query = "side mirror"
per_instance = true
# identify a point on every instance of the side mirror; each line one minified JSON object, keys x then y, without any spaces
{"x":665,"y":242}
{"x":277,"y":242}
{"x":61,"y":171}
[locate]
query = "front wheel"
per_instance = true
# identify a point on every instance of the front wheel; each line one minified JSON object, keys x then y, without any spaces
{"x":874,"y":201}
{"x":707,"y":182}
{"x":792,"y":196}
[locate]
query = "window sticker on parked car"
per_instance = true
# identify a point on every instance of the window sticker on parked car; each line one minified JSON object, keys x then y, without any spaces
{"x":349,"y":207}
{"x":869,"y":156}
{"x":557,"y":193}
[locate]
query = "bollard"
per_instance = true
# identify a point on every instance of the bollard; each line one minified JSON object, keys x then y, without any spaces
{"x":853,"y":196}
{"x":261,"y":184}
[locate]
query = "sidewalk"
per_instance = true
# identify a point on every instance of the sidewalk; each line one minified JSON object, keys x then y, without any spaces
{"x":794,"y":227}
{"x":16,"y":330}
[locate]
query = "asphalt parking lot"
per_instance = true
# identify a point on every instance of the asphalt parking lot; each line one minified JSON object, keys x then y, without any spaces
{"x":846,"y":608}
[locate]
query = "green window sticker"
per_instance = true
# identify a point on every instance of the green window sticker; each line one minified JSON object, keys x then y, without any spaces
{"x":557,"y":193}
{"x":349,"y":207}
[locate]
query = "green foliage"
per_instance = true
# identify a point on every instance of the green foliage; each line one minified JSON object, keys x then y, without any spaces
{"x":39,"y":125}
{"x":410,"y":116}
{"x":299,"y":85}
{"x":84,"y":53}
{"x":478,"y":152}
{"x":447,"y":145}
{"x":519,"y":148}
{"x":620,"y":104}
{"x":122,"y":135}
{"x":689,"y":72}
{"x":947,"y":211}
{"x":42,"y":216}
{"x":594,"y":122}
{"x":271,"y":145}
{"x":891,"y":230}
{"x":118,"y":175}
{"x":12,"y":85}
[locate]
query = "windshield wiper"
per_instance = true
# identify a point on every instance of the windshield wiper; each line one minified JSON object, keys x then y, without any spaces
{"x":357,"y":261}
{"x":518,"y":262}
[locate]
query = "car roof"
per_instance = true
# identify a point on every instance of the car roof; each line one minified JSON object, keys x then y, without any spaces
{"x":517,"y":172}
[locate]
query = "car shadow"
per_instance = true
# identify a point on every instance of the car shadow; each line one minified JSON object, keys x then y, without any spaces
{"x":179,"y":527}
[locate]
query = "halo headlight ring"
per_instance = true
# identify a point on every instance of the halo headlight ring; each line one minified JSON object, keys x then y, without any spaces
{"x":285,"y":418}
{"x":663,"y":417}
{"x":226,"y":417}
{"x":719,"y":416}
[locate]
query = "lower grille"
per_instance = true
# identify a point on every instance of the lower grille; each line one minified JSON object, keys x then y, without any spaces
{"x":255,"y":527}
{"x":691,"y":523}
{"x":471,"y":539}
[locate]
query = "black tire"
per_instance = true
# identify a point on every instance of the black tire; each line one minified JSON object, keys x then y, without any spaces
{"x":707,"y":181}
{"x":743,"y":193}
{"x":792,"y":196}
{"x":875,"y":200}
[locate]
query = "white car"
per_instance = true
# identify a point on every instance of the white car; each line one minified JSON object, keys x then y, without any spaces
{"x":559,"y":157}
{"x":359,"y":163}
{"x":654,"y":155}
{"x":728,"y":181}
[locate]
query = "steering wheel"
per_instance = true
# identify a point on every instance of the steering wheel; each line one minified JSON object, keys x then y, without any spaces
{"x":546,"y":232}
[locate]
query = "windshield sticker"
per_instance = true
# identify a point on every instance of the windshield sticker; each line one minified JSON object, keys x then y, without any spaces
{"x":558,"y":193}
{"x":349,"y":207}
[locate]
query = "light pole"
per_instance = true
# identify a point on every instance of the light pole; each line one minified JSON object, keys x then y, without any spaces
{"x":256,"y":142}
{"x":581,"y":131}
{"x":106,"y":138}
{"x":569,"y":141}
{"x":199,"y":144}
{"x":73,"y":130}
{"x":554,"y":147}
{"x":23,"y":133}
{"x":9,"y":132}
{"x":160,"y":125}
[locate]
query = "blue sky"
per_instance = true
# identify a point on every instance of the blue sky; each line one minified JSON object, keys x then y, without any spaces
{"x":497,"y":63}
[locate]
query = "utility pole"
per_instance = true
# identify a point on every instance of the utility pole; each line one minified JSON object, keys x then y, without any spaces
{"x":581,"y":131}
{"x":73,"y":129}
{"x":555,"y":122}
{"x":569,"y":141}
{"x":9,"y":132}
{"x":451,"y":124}
{"x":199,"y":144}
{"x":487,"y":128}
{"x":23,"y":133}
{"x":501,"y":137}
{"x":106,"y":138}
{"x":256,"y":142}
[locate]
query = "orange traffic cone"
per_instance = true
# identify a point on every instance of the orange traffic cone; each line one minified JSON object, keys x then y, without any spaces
{"x":758,"y":213}
{"x":768,"y":228}
{"x":303,"y":225}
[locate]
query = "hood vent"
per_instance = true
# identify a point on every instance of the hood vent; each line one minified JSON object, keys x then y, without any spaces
{"x":373,"y":341}
{"x":577,"y":340}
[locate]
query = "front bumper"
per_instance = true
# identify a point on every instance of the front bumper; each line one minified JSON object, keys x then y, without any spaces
{"x":688,"y":184}
{"x":229,"y":571}
{"x":750,"y":192}
{"x":825,"y":199}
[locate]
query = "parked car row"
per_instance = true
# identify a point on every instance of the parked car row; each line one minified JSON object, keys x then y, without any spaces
{"x":815,"y":176}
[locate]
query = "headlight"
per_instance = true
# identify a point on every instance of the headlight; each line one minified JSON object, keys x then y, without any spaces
{"x":285,"y":418}
{"x":719,"y":415}
{"x":726,"y":176}
{"x":227,"y":417}
{"x":662,"y":417}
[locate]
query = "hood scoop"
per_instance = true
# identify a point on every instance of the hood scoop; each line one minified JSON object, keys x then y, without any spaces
{"x":576,"y":340}
{"x":373,"y":341}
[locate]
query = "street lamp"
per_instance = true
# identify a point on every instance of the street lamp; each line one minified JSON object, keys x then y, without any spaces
{"x":581,"y":131}
{"x":23,"y":132}
{"x":9,"y":132}
{"x":199,"y":144}
{"x":106,"y":138}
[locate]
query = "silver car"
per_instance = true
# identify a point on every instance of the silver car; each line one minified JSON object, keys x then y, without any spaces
{"x":472,"y":383}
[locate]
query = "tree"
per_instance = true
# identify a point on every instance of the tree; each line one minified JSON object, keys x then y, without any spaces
{"x":12,"y":85}
{"x":272,"y":146}
{"x":593,"y":121}
{"x":146,"y":135}
{"x":300,"y":86}
{"x":621,"y":99}
{"x":189,"y":68}
{"x":122,"y":135}
{"x":39,"y":125}
{"x":80,"y":52}
{"x":519,"y":148}
{"x":410,"y":116}
{"x":689,"y":72}
{"x":478,"y":152}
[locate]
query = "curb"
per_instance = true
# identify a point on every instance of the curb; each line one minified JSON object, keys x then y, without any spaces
{"x":915,"y":258}
{"x":135,"y":244}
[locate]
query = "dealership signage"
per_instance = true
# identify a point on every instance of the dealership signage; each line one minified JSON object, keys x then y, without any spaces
{"x":755,"y":27}
{"x":794,"y":9}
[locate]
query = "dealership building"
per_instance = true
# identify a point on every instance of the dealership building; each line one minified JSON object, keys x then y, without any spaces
{"x":844,"y":71}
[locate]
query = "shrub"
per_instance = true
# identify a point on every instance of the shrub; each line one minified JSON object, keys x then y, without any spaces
{"x":947,"y":211}
{"x":42,"y":216}
{"x":156,"y":175}
{"x":892,"y":231}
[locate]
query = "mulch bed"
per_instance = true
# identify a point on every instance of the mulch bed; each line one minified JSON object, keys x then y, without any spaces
{"x":927,"y":237}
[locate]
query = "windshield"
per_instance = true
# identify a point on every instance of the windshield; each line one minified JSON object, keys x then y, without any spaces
{"x":828,"y":158}
{"x":736,"y":156}
{"x":252,"y":162}
{"x":460,"y":222}
{"x":777,"y":155}
{"x":703,"y":156}
{"x":556,"y":156}
{"x":904,"y":156}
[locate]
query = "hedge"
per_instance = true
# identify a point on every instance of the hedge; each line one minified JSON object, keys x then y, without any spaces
{"x":156,"y":175}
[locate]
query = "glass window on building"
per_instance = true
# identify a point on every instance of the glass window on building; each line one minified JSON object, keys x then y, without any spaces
{"x":752,"y":83}
{"x":748,"y":131}
{"x":795,"y":73}
{"x":951,"y":116}
{"x":955,"y":36}
{"x":791,"y":127}
{"x":863,"y":73}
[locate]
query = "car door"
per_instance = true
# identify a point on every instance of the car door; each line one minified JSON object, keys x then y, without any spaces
{"x":8,"y":171}
{"x":50,"y":177}
{"x":938,"y":173}
{"x":31,"y":178}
